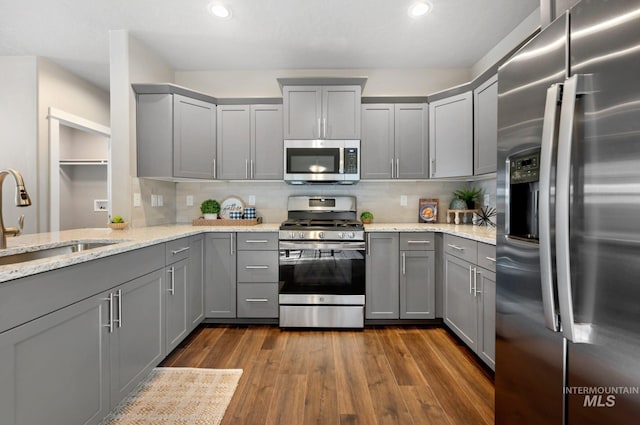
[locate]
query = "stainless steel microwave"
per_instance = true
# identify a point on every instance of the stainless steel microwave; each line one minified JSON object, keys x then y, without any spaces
{"x":321,"y":161}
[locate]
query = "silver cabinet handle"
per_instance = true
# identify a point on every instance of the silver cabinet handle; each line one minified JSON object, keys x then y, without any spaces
{"x":493,"y":260}
{"x":252,"y":170}
{"x":110,"y":320}
{"x":256,"y":267}
{"x":324,"y":128}
{"x":178,"y":251}
{"x":475,"y":282}
{"x":397,"y":168}
{"x":256,"y":241}
{"x":433,"y":167}
{"x":418,"y":242}
{"x":404,"y":264}
{"x":215,"y":171}
{"x":172,"y":271}
{"x":119,"y":295}
{"x":392,"y":168}
{"x":319,"y":128}
{"x":257,"y":300}
{"x":574,"y":332}
{"x":458,"y":248}
{"x":246,"y":169}
{"x":232,"y":248}
{"x":470,"y":280}
{"x":548,"y":148}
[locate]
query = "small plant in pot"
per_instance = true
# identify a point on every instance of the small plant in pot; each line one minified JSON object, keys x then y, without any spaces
{"x":210,"y":209}
{"x":465,"y":199}
{"x":366,"y":217}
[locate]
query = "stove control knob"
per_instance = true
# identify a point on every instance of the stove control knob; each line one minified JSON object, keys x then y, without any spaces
{"x":352,"y":235}
{"x":292,"y":235}
{"x":300,"y":235}
{"x":341,"y":235}
{"x":321,"y":235}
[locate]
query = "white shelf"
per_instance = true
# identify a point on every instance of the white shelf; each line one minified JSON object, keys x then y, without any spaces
{"x":83,"y":162}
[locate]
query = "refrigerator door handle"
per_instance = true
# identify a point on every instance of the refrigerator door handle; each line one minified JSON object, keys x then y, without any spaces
{"x":574,"y":332}
{"x":549,"y":137}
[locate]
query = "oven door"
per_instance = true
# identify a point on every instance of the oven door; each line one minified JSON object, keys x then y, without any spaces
{"x":313,"y":160}
{"x":334,"y":270}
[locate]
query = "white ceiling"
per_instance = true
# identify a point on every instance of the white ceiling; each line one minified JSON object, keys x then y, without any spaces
{"x":263,"y":34}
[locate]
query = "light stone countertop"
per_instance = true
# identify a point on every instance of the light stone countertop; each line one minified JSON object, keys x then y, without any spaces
{"x":130,"y":239}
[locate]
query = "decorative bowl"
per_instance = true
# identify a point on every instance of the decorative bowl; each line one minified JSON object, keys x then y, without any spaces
{"x":118,"y":226}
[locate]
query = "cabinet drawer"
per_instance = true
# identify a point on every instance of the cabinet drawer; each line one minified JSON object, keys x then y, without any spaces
{"x":258,"y":300}
{"x":487,"y":256}
{"x":176,"y":250}
{"x":257,"y":266}
{"x":257,"y":241}
{"x":461,"y":248}
{"x":414,"y":241}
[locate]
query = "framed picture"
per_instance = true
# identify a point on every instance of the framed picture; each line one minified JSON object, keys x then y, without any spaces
{"x":428,"y":210}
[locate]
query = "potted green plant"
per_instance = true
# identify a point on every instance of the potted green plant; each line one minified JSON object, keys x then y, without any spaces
{"x":366,"y":217}
{"x":465,"y":199}
{"x":210,"y":209}
{"x":117,"y":222}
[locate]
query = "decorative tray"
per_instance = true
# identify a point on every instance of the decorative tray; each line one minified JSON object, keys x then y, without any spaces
{"x":226,"y":222}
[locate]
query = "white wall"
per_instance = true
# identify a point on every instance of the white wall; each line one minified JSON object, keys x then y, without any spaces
{"x":512,"y":40}
{"x":380,"y":82}
{"x":132,"y":62}
{"x":19,"y":139}
{"x":60,"y":89}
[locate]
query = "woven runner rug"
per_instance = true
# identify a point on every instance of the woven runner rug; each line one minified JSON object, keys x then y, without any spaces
{"x":178,"y":396}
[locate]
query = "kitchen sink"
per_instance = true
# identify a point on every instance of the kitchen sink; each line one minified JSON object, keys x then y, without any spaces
{"x":52,"y":251}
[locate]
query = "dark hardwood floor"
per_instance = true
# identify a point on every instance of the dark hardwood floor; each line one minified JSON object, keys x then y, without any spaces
{"x":382,"y":375}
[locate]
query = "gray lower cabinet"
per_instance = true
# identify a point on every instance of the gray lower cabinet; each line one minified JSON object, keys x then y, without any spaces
{"x":451,"y":136}
{"x":417,"y":276}
{"x":176,"y":136}
{"x":195,"y":290}
{"x":137,"y":342}
{"x":394,"y":141}
{"x":176,"y":316}
{"x":257,"y":275}
{"x":485,"y":127}
{"x":382,"y":296}
{"x":470,"y":294}
{"x":55,"y":370}
{"x":250,"y":142}
{"x":220,"y":275}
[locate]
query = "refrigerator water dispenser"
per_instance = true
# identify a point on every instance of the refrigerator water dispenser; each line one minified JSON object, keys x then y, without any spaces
{"x":524,"y":189}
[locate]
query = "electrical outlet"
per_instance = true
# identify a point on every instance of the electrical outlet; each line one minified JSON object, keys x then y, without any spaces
{"x":137,"y":200}
{"x":486,"y":200}
{"x":189,"y":200}
{"x":252,"y":200}
{"x":154,"y":200}
{"x":160,"y":200}
{"x":403,"y":200}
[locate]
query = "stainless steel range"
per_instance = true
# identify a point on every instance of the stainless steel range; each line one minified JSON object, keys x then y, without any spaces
{"x":322,"y":263}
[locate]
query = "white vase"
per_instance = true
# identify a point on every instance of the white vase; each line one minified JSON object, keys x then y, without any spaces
{"x":210,"y":216}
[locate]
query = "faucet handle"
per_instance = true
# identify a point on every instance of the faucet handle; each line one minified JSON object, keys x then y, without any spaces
{"x":20,"y":223}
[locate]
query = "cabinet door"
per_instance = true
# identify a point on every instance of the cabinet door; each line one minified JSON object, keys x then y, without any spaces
{"x":154,"y":135}
{"x":234,"y":142}
{"x":486,"y":281}
{"x":302,"y":112}
{"x":485,"y":127}
{"x":267,"y":147}
{"x":378,"y":131}
{"x":195,"y":296}
{"x":136,"y":344}
{"x":54,"y":370}
{"x":459,"y":303}
{"x":417,"y":285}
{"x":382,"y":274}
{"x":220,"y":274}
{"x":411,"y":147}
{"x":194,"y":138}
{"x":451,"y":136}
{"x":176,"y":323}
{"x":341,"y":112}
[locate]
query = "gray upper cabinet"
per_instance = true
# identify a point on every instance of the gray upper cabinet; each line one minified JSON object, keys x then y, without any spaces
{"x":220,"y":272}
{"x":451,"y":136}
{"x":250,"y":142}
{"x":485,"y":126}
{"x":176,"y":136}
{"x":382,"y":271}
{"x":322,"y":112}
{"x":394,"y":141}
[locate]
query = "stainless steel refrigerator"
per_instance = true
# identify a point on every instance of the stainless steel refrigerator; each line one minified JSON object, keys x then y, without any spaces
{"x":568,"y":239}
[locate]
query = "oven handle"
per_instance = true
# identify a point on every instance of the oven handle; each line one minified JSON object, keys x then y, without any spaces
{"x":341,"y":246}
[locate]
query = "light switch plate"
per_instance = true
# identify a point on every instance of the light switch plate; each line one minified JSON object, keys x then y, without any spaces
{"x":252,"y":200}
{"x":154,"y":200}
{"x":160,"y":200}
{"x":137,"y":200}
{"x":403,"y":200}
{"x":189,"y":200}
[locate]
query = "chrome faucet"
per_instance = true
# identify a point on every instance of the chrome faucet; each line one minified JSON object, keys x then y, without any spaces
{"x":22,"y":200}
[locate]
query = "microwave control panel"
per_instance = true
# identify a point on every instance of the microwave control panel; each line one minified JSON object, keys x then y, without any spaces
{"x":351,"y":160}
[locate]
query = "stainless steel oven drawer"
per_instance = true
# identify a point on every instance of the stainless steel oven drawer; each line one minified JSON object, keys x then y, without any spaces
{"x":321,"y":316}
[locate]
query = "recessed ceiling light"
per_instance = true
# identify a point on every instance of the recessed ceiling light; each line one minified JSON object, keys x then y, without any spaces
{"x":220,"y":11}
{"x":419,"y":8}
